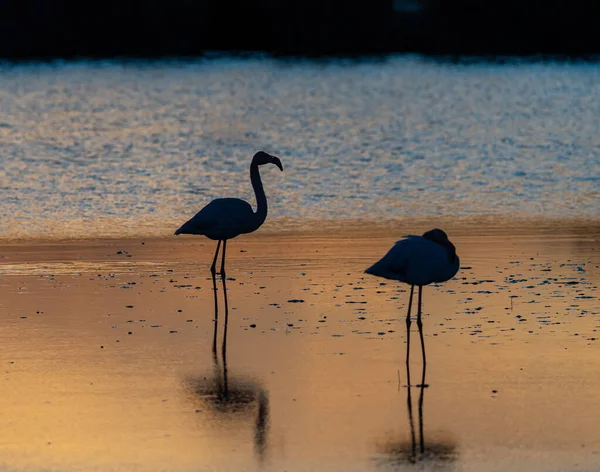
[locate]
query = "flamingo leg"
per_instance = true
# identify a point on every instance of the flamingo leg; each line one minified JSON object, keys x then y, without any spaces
{"x":223,"y":260}
{"x":408,"y":321}
{"x":226,"y":313}
{"x":420,"y":325}
{"x":216,"y":318}
{"x":213,"y":267}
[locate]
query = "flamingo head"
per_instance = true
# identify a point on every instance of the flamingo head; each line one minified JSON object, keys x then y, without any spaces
{"x":440,"y":237}
{"x":261,"y":158}
{"x":436,"y":235}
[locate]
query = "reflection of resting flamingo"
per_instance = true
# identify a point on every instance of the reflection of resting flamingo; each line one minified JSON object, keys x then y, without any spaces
{"x":396,"y":453}
{"x":226,"y":218}
{"x":418,"y":260}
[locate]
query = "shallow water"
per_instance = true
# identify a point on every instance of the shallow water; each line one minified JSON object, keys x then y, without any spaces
{"x":110,"y":149}
{"x":108,"y":361}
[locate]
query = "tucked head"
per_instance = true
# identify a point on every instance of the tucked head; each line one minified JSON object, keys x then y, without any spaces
{"x":436,"y":235}
{"x":261,"y":158}
{"x":440,"y":237}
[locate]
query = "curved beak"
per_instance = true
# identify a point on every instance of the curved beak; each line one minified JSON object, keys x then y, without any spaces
{"x":278,"y":163}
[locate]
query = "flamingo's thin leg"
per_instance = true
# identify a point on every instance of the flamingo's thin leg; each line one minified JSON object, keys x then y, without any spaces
{"x":213,"y":267}
{"x":408,"y":321}
{"x":223,"y":259}
{"x":216,"y":318}
{"x":420,"y":325}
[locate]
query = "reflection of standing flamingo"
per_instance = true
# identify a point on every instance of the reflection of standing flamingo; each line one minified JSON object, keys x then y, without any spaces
{"x":235,"y":397}
{"x":226,"y":218}
{"x":418,"y":260}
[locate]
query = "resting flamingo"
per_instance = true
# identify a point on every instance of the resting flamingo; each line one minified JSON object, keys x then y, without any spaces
{"x":418,"y":260}
{"x":226,"y":218}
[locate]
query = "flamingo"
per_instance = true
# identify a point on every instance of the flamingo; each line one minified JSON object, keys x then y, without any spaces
{"x":418,"y":260}
{"x":226,"y":218}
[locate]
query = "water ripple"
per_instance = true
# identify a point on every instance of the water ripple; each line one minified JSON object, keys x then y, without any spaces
{"x":110,"y":148}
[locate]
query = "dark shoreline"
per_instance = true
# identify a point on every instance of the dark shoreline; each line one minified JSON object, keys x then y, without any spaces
{"x":451,"y":59}
{"x":66,"y":29}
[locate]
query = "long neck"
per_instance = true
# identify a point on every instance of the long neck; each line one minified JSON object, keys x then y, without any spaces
{"x":259,"y":192}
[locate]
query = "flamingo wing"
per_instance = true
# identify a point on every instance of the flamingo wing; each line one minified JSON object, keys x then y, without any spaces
{"x":413,"y":260}
{"x":223,"y":218}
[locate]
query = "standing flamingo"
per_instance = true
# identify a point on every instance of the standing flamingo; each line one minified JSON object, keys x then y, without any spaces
{"x":226,"y":218}
{"x":418,"y":260}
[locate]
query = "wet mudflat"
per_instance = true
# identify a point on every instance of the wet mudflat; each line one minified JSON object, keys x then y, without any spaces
{"x":109,"y":359}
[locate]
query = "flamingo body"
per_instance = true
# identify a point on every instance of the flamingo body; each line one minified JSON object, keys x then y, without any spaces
{"x":417,"y":260}
{"x":222,"y":219}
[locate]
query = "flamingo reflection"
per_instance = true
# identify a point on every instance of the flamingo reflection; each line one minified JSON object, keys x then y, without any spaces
{"x":232,"y":397}
{"x":397,"y":453}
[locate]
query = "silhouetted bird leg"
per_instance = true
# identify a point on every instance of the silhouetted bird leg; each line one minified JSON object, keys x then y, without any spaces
{"x":420,"y":325}
{"x":213,"y":267}
{"x":421,"y":435}
{"x":408,"y":321}
{"x":223,"y":260}
{"x":226,"y":319}
{"x":410,"y":416}
{"x":216,"y":318}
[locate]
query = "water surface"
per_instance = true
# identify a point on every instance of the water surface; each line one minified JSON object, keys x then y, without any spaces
{"x":109,"y":149}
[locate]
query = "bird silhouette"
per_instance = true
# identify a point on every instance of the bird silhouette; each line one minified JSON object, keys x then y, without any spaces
{"x":418,"y":260}
{"x":226,"y":218}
